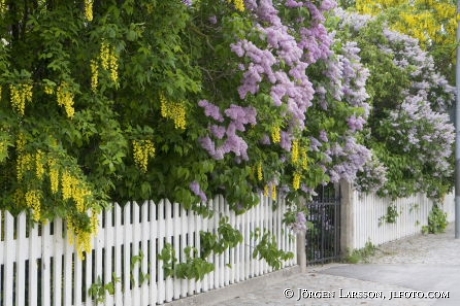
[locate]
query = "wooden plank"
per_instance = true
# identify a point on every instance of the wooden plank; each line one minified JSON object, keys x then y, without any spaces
{"x":127,"y":236}
{"x":135,"y":239}
{"x":46,"y":253}
{"x":168,"y":235}
{"x":145,"y":237}
{"x":9,"y":254}
{"x":118,"y":229}
{"x":183,"y":243}
{"x":105,"y":250}
{"x":34,"y":255}
{"x":176,"y":234}
{"x":22,"y":252}
{"x":58,"y":251}
{"x":161,"y":235}
{"x":153,"y":251}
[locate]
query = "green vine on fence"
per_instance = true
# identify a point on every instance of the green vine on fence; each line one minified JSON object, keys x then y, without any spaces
{"x":391,"y":215}
{"x":194,"y":266}
{"x":267,"y":249}
{"x":98,"y":290}
{"x":227,"y":237}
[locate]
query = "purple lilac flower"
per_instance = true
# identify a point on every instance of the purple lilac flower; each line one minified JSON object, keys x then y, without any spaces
{"x":196,"y":189}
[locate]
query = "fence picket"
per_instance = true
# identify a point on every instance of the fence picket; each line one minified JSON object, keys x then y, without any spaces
{"x":45,"y":267}
{"x":22,"y":250}
{"x":58,"y":243}
{"x":9,"y":257}
{"x":146,"y":237}
{"x":118,"y":258}
{"x":106,"y":258}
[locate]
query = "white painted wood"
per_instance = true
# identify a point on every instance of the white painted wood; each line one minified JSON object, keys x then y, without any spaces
{"x":46,"y":253}
{"x":145,"y":237}
{"x":58,"y":247}
{"x":9,"y":258}
{"x":21,"y":251}
{"x":65,"y":278}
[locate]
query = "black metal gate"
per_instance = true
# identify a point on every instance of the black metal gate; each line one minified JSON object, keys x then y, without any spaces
{"x":322,"y":240}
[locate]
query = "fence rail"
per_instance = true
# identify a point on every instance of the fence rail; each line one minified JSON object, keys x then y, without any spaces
{"x":40,"y":268}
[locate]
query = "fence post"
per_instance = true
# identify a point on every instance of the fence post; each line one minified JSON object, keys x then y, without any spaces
{"x":301,"y":253}
{"x":347,"y":230}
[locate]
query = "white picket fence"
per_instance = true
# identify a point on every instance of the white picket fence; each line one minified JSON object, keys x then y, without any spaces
{"x":368,"y":211}
{"x":40,"y":268}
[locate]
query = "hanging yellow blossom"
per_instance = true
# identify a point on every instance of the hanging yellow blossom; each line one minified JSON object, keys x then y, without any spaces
{"x":109,"y":61}
{"x":65,"y":98}
{"x":66,"y":185}
{"x":173,"y":110}
{"x":53,"y":175}
{"x":24,"y":163}
{"x":94,"y":75}
{"x":296,"y":180}
{"x":274,"y":192}
{"x":39,"y":167}
{"x":266,"y":190}
{"x":143,"y":150}
{"x":295,"y":151}
{"x":32,"y":199}
{"x":260,"y":174}
{"x":276,"y":134}
{"x":89,"y":10}
{"x":20,"y":94}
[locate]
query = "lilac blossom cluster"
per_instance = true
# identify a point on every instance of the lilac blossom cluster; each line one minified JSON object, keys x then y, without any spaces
{"x":238,"y":117}
{"x":290,"y":86}
{"x":196,"y":189}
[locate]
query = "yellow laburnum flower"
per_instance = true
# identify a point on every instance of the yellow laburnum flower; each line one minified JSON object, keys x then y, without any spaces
{"x":142,"y":151}
{"x":39,"y":167}
{"x":66,"y":185}
{"x":94,"y":75}
{"x":173,"y":110}
{"x":296,"y":180}
{"x":266,"y":190}
{"x":53,"y":175}
{"x":274,"y":192}
{"x":260,"y":174}
{"x":89,"y":10}
{"x":65,"y":98}
{"x":295,"y":151}
{"x":24,"y":163}
{"x":33,"y":201}
{"x":276,"y":134}
{"x":109,"y":60}
{"x":20,"y":94}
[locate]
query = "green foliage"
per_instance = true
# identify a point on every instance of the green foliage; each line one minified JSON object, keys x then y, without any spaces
{"x":361,"y":255}
{"x":391,"y":215}
{"x":135,"y":264}
{"x":267,"y":249}
{"x":437,"y":221}
{"x":98,"y":290}
{"x":227,"y":237}
{"x":194,"y":266}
